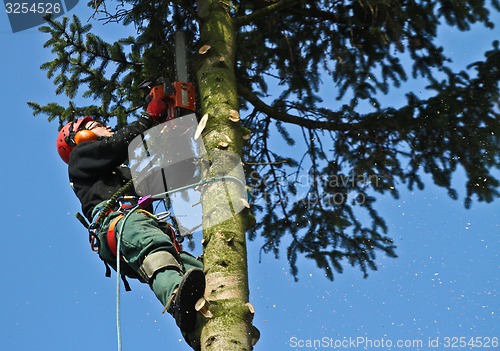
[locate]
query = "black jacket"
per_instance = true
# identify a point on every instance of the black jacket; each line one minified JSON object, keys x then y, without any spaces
{"x":96,"y":169}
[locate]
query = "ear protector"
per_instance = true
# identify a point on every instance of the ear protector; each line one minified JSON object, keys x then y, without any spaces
{"x":84,"y":135}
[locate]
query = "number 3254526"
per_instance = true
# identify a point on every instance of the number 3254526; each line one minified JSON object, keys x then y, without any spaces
{"x":25,"y":8}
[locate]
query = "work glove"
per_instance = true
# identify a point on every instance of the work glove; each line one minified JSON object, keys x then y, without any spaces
{"x":157,"y":109}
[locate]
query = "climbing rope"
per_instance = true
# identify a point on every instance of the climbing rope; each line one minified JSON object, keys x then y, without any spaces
{"x":201,"y":182}
{"x":111,"y":202}
{"x":118,"y":275}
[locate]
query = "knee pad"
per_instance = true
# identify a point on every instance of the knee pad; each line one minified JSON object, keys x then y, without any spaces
{"x":156,"y":262}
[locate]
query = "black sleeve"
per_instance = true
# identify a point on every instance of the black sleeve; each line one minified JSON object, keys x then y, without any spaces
{"x":93,"y":158}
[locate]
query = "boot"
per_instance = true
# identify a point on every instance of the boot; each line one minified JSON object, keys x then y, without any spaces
{"x":182,"y":302}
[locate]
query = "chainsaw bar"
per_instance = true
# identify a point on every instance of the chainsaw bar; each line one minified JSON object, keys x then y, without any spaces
{"x":185,"y":94}
{"x":180,"y":57}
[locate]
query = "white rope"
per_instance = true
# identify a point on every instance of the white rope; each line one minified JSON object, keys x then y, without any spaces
{"x":201,"y":182}
{"x":118,"y":277}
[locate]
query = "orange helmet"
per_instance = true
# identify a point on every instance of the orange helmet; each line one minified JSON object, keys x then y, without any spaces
{"x":69,"y":137}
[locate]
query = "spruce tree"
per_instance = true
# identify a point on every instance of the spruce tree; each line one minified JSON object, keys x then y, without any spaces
{"x":309,"y":73}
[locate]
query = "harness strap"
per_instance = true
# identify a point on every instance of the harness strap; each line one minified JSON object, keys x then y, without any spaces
{"x":111,"y":202}
{"x":111,"y":234}
{"x":177,"y":244}
{"x":112,"y":244}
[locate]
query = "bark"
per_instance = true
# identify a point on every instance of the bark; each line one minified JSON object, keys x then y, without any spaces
{"x":228,"y":326}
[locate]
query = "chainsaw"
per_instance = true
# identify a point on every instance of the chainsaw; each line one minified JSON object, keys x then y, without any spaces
{"x":179,"y":95}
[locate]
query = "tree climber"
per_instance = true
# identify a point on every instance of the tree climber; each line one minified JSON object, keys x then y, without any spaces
{"x":96,"y":158}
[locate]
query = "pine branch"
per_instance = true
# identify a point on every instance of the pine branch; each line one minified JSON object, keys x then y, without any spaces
{"x":81,"y":62}
{"x":263,"y":12}
{"x":91,"y":51}
{"x":288,"y":118}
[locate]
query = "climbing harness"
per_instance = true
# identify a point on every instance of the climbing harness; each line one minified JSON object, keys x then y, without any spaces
{"x":129,"y":204}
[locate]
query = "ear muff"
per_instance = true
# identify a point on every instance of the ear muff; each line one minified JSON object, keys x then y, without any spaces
{"x":84,"y":135}
{"x":65,"y":141}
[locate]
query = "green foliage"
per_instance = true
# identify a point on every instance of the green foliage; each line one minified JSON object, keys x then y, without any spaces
{"x":354,"y":51}
{"x":86,"y":66}
{"x":307,"y":71}
{"x":82,"y":61}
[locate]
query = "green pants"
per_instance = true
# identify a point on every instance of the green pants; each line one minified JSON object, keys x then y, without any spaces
{"x":141,"y":235}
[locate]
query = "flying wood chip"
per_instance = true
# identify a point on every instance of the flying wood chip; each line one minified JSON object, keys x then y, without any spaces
{"x":201,"y":126}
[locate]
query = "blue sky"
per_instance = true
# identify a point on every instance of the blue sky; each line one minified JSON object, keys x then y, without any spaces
{"x":54,"y":294}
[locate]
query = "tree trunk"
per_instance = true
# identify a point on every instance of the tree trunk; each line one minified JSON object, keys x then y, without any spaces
{"x":224,"y":254}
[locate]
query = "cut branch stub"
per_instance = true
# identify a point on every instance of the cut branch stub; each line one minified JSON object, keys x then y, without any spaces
{"x":251,"y":309}
{"x":245,"y":203}
{"x":255,"y":334}
{"x":204,"y":49}
{"x":205,"y":241}
{"x":223,"y":145}
{"x":234,"y":116}
{"x":202,"y":307}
